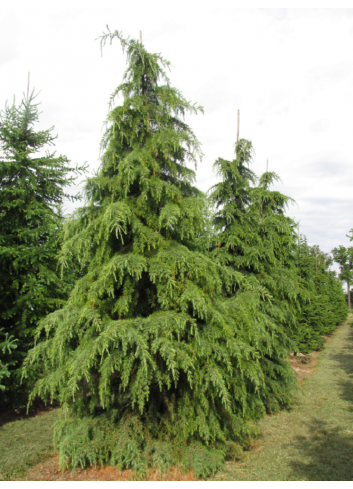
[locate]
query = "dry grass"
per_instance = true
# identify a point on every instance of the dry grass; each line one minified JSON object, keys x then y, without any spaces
{"x":49,"y":471}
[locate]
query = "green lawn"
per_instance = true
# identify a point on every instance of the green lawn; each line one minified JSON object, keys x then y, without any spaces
{"x":314,"y":441}
{"x":25,"y":443}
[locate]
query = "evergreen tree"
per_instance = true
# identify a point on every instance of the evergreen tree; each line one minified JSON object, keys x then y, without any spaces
{"x":254,"y":237}
{"x":159,"y":356}
{"x":322,"y":306}
{"x":127,"y":356}
{"x":253,"y":231}
{"x":173,"y":341}
{"x":31,"y":189}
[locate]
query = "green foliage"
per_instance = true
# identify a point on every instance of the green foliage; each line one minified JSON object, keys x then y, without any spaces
{"x":6,"y":345}
{"x":255,"y":237}
{"x":153,"y":334}
{"x":322,"y":306}
{"x":127,"y":443}
{"x":30,"y":198}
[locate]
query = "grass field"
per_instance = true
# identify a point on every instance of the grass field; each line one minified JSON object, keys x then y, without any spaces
{"x":25,"y":443}
{"x":313,"y":441}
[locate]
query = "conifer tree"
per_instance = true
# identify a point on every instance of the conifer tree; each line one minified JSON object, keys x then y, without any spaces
{"x":172,"y":341}
{"x":31,"y":188}
{"x":159,"y":357}
{"x":306,"y":300}
{"x":254,"y":237}
{"x":322,"y":306}
{"x":277,"y":231}
{"x":134,"y":355}
{"x":253,"y":231}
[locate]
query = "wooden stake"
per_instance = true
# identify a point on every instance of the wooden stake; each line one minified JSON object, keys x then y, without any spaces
{"x":28,"y":88}
{"x":238,"y":126}
{"x":298,"y":239}
{"x":316,"y":258}
{"x":300,"y":273}
{"x":267,"y":166}
{"x":140,"y":37}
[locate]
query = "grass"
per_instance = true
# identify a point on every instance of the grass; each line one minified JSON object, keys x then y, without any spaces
{"x":25,"y":443}
{"x":314,"y":441}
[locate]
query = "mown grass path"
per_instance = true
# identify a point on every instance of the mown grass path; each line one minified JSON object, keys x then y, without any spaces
{"x":25,"y":443}
{"x":313,"y":441}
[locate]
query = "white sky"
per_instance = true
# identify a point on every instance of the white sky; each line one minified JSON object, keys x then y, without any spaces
{"x":289,"y":71}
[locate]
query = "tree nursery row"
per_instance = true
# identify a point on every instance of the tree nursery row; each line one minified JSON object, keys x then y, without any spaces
{"x":160,"y":318}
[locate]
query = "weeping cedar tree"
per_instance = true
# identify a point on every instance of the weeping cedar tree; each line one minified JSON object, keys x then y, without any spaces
{"x":322,"y":306}
{"x":153,"y":360}
{"x":31,"y":190}
{"x":167,"y":348}
{"x":252,"y":226}
{"x":253,"y":236}
{"x":304,"y":300}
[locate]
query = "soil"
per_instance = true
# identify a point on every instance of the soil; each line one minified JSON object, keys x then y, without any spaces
{"x":304,"y":365}
{"x":49,"y":471}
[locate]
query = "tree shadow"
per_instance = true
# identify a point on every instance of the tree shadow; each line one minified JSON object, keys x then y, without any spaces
{"x":344,"y":360}
{"x":326,"y":454}
{"x":8,"y":414}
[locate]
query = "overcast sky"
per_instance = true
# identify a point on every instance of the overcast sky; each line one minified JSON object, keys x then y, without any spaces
{"x":289,"y":71}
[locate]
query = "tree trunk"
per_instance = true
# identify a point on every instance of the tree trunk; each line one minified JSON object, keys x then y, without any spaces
{"x":349,"y":297}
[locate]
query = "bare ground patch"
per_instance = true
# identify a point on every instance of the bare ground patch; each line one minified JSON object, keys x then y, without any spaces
{"x":305,"y":365}
{"x":49,"y":471}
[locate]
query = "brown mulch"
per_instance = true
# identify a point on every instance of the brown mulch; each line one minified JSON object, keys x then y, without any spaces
{"x":304,"y":365}
{"x":49,"y":471}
